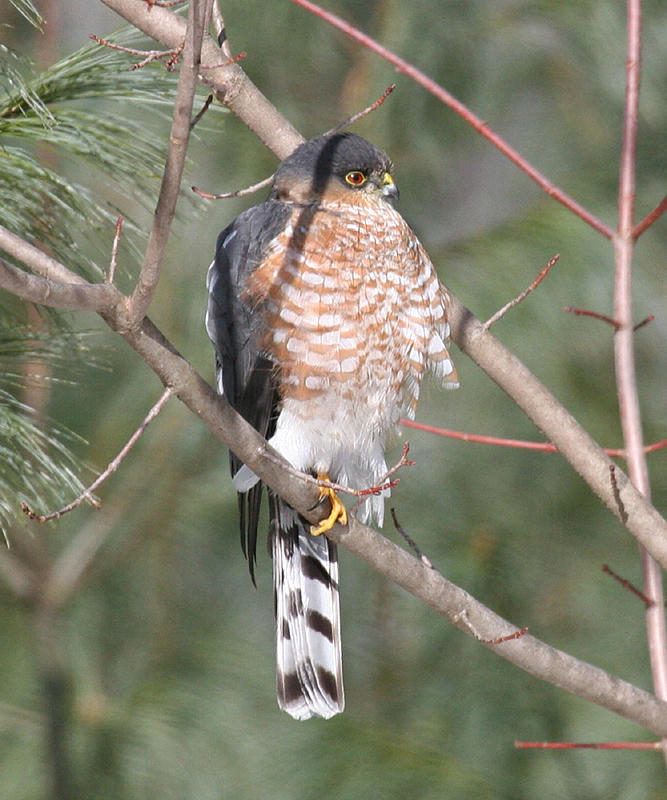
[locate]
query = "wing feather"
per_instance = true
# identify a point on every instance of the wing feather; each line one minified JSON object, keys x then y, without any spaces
{"x":244,"y":375}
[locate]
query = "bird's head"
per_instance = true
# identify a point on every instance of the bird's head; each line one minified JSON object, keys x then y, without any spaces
{"x":341,"y":165}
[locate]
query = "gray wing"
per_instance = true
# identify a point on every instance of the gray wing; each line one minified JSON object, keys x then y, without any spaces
{"x":243,"y":374}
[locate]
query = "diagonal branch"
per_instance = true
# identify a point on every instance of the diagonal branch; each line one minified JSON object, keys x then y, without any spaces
{"x":67,"y":296}
{"x":229,"y":82}
{"x":173,"y":170}
{"x":463,"y":111}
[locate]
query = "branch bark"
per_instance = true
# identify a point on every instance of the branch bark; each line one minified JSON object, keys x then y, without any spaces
{"x":173,"y":169}
{"x":229,"y":83}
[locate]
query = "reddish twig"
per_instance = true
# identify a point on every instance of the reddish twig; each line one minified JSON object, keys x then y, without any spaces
{"x":650,"y":218}
{"x":172,"y":55}
{"x":462,"y":616}
{"x":472,"y":119}
{"x":519,"y":444}
{"x":114,"y":252}
{"x":238,"y":193}
{"x":543,"y":274}
{"x":583,"y":312}
{"x":589,"y":745}
{"x":411,"y":542}
{"x":645,"y":321}
{"x":87,"y":494}
{"x":230,"y":60}
{"x":202,"y":111}
{"x":383,"y":485}
{"x":361,"y":114}
{"x":627,"y":585}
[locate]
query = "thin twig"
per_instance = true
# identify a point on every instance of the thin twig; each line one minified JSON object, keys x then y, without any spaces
{"x":411,"y":542}
{"x":627,"y":585}
{"x":111,"y":274}
{"x":172,"y":55}
{"x":650,"y":218}
{"x":383,"y":484}
{"x":543,"y":274}
{"x":238,"y":193}
{"x":519,"y":444}
{"x":361,"y":114}
{"x":584,"y":312}
{"x":589,"y":745}
{"x":645,"y":321}
{"x":462,"y":616}
{"x":472,"y":119}
{"x":202,"y":111}
{"x":173,"y":170}
{"x":226,"y":63}
{"x":87,"y":494}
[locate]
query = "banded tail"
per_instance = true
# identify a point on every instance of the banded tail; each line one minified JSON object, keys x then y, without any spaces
{"x":309,"y":668}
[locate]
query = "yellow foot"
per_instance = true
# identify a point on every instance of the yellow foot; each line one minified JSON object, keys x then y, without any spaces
{"x":338,"y":510}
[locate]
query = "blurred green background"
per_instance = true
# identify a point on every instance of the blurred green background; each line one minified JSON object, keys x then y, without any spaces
{"x":168,"y":649}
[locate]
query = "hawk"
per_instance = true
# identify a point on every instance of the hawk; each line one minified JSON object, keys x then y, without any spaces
{"x":325,"y":312}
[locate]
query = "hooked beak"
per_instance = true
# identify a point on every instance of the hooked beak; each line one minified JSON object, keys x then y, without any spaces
{"x":389,"y":188}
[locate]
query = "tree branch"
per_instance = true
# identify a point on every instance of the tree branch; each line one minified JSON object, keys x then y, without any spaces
{"x":463,"y":111}
{"x":624,"y":355}
{"x":559,"y":426}
{"x":173,"y":170}
{"x":229,"y":83}
{"x":66,"y":296}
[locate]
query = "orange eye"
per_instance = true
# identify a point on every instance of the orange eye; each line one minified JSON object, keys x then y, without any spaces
{"x":355,"y":178}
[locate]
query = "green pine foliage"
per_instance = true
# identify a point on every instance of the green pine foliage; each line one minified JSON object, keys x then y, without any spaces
{"x":62,"y":138}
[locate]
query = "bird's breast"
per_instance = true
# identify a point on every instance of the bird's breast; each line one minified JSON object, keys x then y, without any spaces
{"x":351,"y":305}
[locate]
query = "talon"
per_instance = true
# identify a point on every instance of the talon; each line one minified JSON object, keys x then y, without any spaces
{"x":338,"y":510}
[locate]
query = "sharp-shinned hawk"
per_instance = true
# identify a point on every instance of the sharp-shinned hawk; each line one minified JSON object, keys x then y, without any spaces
{"x":325,"y":312}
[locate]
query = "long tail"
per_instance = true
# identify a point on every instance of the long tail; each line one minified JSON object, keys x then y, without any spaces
{"x":309,"y":663}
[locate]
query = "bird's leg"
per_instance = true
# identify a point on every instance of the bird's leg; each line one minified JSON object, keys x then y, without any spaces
{"x":338,"y":510}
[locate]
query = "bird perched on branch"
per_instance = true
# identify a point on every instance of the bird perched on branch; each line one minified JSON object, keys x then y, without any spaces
{"x":325,"y":313}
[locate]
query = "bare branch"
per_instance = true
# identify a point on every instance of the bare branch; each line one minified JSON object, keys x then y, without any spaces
{"x":650,"y":218}
{"x":515,"y":302}
{"x":527,"y":652}
{"x":170,"y":56}
{"x":67,"y":296}
{"x":641,"y":324}
{"x":173,"y":170}
{"x":584,"y":312}
{"x":87,"y":494}
{"x":472,"y":119}
{"x":238,"y":193}
{"x":361,"y":114}
{"x":114,"y":252}
{"x":627,"y":585}
{"x":426,"y":561}
{"x":573,"y":442}
{"x":624,"y":350}
{"x":519,"y":444}
{"x":588,"y":745}
{"x":230,"y":84}
{"x":37,"y":260}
